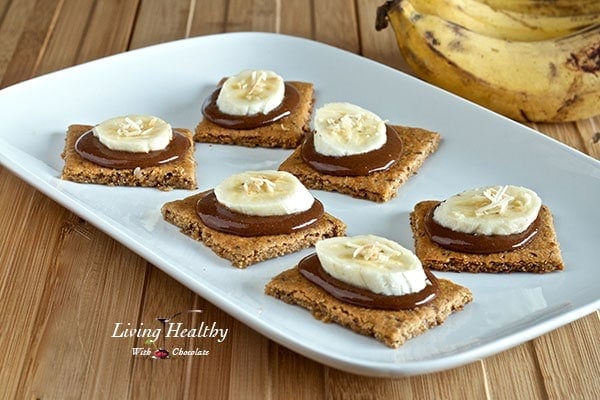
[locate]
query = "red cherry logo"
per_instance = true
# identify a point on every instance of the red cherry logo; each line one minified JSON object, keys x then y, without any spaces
{"x":161,"y":354}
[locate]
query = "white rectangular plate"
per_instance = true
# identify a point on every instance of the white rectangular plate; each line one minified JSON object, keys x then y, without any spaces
{"x":478,"y":148}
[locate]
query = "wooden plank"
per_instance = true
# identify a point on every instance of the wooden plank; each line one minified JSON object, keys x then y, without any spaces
{"x":23,"y":273}
{"x":249,"y":375}
{"x":336,"y":24}
{"x":108,"y":30}
{"x":209,"y":377}
{"x":265,"y":15}
{"x":4,"y":6}
{"x":569,"y":359}
{"x":297,"y":18}
{"x":160,"y":21}
{"x":209,"y":17}
{"x":294,"y":376}
{"x":45,"y":295}
{"x":258,"y":15}
{"x":32,"y":42}
{"x":378,"y":45}
{"x":14,"y":18}
{"x":514,"y":371}
{"x":68,"y":35}
{"x":163,"y":297}
{"x":67,"y":331}
{"x":442,"y":385}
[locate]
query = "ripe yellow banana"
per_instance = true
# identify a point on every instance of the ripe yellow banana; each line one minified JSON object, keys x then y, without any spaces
{"x":547,"y":7}
{"x":548,"y":80}
{"x":479,"y":17}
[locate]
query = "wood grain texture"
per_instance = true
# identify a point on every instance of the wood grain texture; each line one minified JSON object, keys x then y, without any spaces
{"x":568,"y":359}
{"x":13,"y":23}
{"x":159,"y":21}
{"x":336,"y":24}
{"x":64,"y":284}
{"x":31,"y":47}
{"x":67,"y":36}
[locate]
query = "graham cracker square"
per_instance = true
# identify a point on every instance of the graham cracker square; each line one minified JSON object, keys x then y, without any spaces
{"x":393,"y":328}
{"x":245,"y":251}
{"x":381,"y":186}
{"x":287,"y":133}
{"x":179,"y":174}
{"x":541,"y":255}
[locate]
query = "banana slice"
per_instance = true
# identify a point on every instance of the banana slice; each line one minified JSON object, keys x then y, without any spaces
{"x":251,"y":92}
{"x":373,"y":263}
{"x":492,"y":210}
{"x":264,"y":193}
{"x":344,"y":129}
{"x":134,"y":133}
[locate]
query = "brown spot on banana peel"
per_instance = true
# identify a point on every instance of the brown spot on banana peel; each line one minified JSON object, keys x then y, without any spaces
{"x":574,"y":94}
{"x":457,"y":29}
{"x":431,"y":39}
{"x":456,"y":45}
{"x":524,"y":116}
{"x":567,"y":103}
{"x":553,"y":70}
{"x":586,"y":60}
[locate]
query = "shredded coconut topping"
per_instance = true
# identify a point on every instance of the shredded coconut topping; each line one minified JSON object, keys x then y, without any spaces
{"x":258,"y":185}
{"x":498,"y":201}
{"x":254,"y":86}
{"x":373,"y":251}
{"x":136,"y":127}
{"x":346,"y":124}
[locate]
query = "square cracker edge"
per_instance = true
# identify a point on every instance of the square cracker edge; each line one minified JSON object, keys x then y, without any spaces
{"x":541,"y":255}
{"x":286,"y":133}
{"x":417,"y":145}
{"x":180,"y":174}
{"x":392,"y":328}
{"x":245,"y":251}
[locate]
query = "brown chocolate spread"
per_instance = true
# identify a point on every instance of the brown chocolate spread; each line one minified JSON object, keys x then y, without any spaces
{"x":223,"y":219}
{"x":380,"y":159}
{"x":89,"y":147}
{"x":474,"y":243}
{"x":311,"y":269}
{"x":211,"y":111}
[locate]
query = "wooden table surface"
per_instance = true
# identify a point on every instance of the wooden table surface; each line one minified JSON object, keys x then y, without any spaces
{"x":64,"y":284}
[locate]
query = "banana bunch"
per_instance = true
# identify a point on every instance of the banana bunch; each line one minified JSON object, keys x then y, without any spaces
{"x":530,"y":60}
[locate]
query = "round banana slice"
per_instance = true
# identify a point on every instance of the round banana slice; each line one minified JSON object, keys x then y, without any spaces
{"x":251,"y":92}
{"x":344,"y":129}
{"x":134,"y":133}
{"x":492,"y":210}
{"x":373,"y":263}
{"x":264,"y":193}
